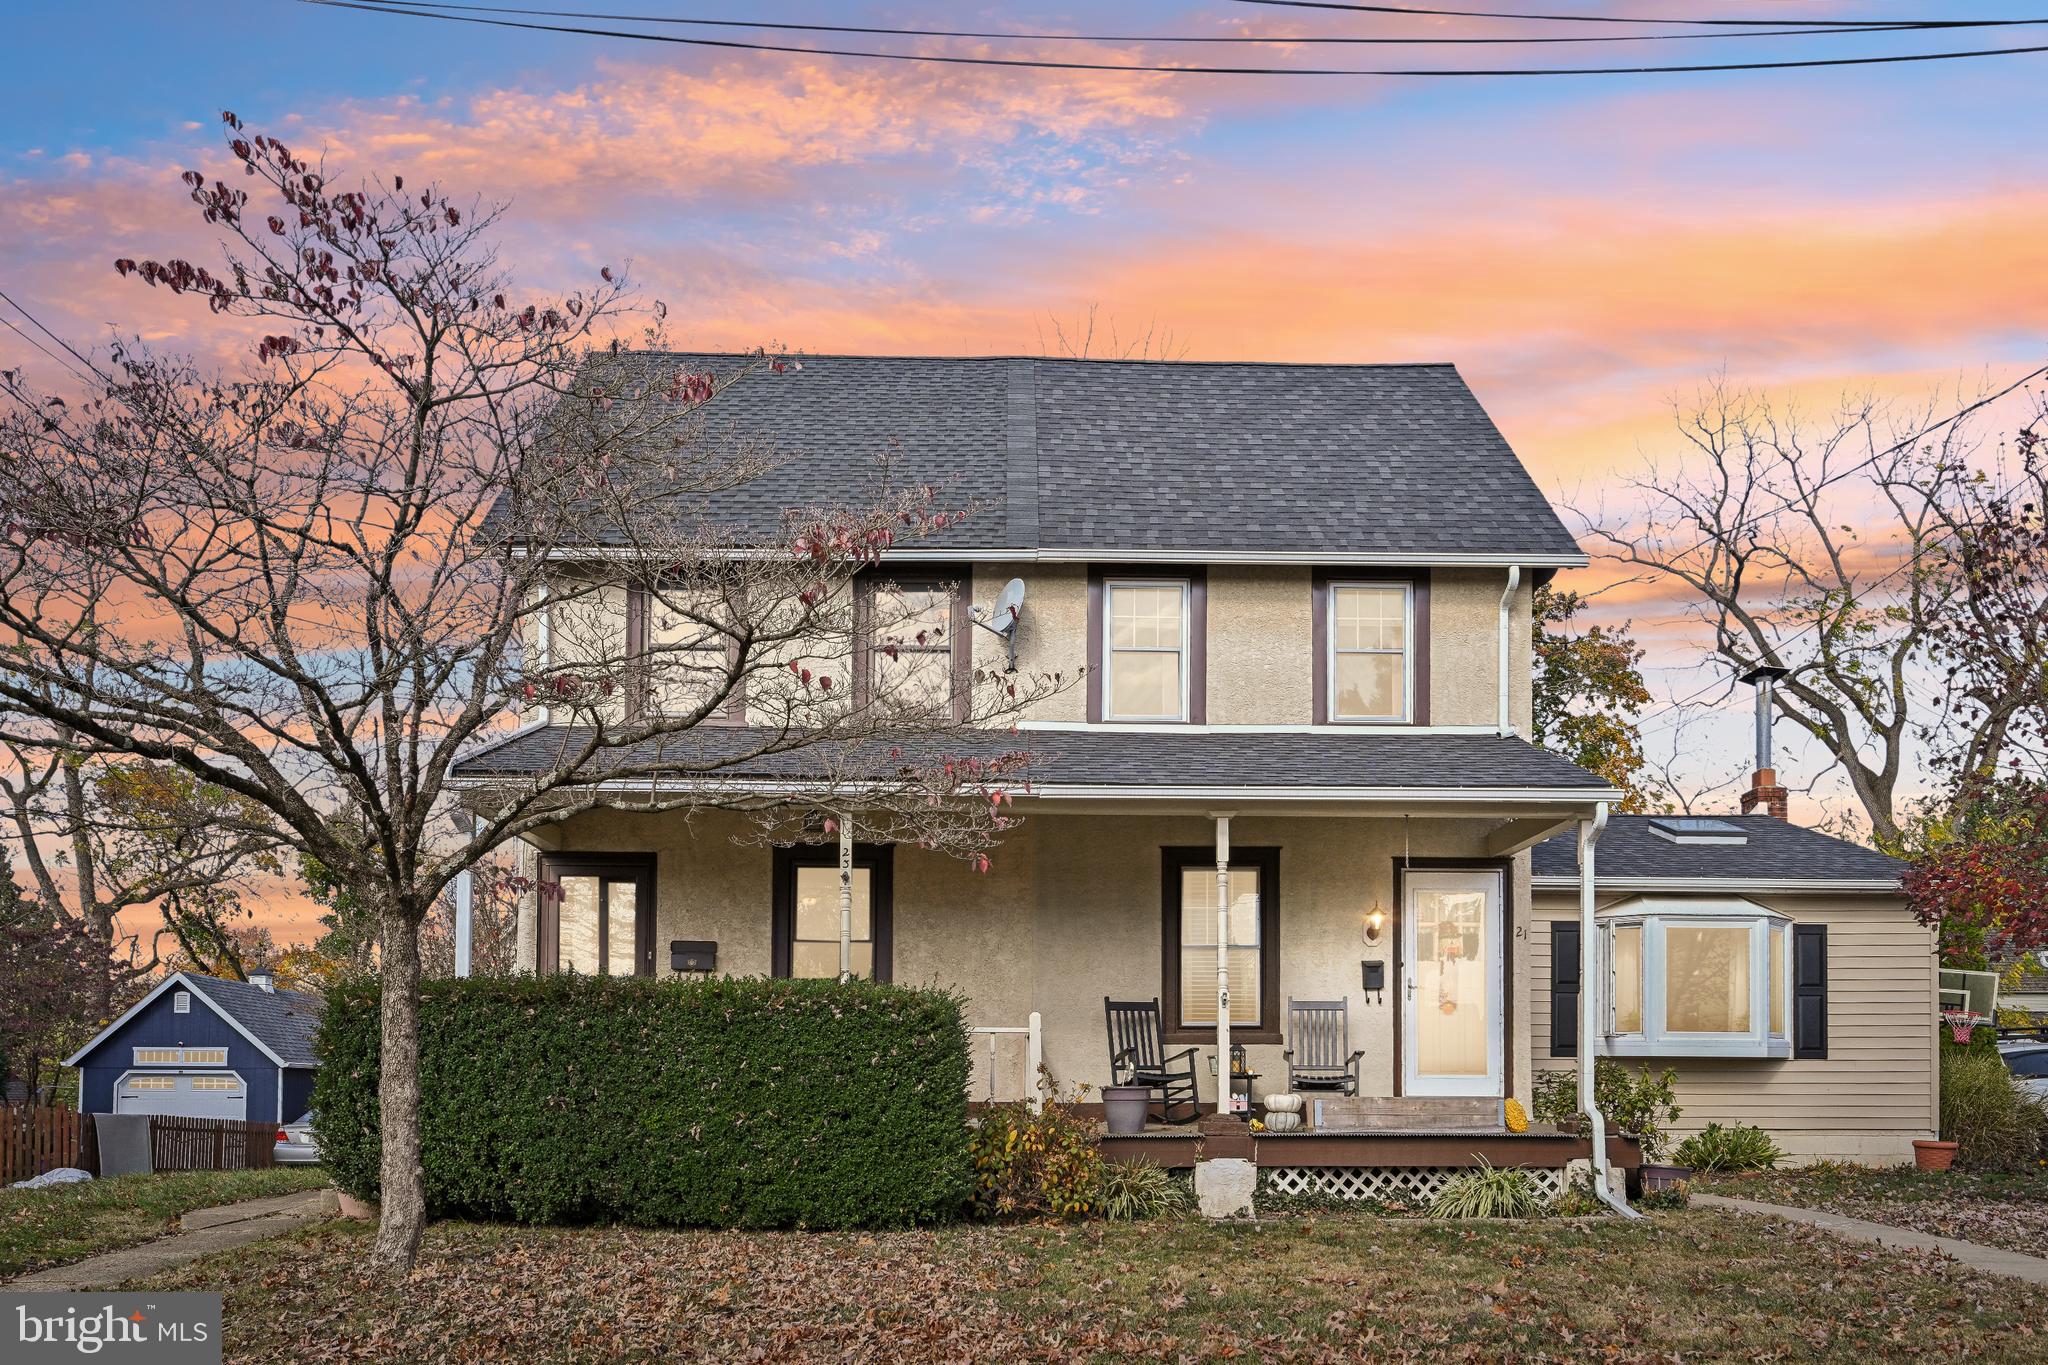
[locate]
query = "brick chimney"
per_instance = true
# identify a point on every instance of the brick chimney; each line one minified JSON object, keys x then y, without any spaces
{"x":1764,"y":791}
{"x":1763,"y":783}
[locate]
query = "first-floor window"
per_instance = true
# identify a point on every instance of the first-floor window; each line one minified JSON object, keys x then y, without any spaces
{"x":597,"y":914}
{"x":1250,"y":929}
{"x":1704,"y":979}
{"x":807,"y":914}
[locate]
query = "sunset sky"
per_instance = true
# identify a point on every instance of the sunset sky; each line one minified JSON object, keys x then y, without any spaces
{"x":1585,"y":249}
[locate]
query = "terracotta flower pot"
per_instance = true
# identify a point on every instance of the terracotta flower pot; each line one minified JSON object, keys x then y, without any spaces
{"x":352,"y":1207}
{"x":1929,"y":1155}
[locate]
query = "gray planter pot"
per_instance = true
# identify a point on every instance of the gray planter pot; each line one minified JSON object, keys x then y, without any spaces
{"x":1123,"y":1108}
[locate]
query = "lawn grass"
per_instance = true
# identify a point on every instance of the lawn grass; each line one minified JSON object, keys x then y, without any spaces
{"x":2006,"y":1209}
{"x":1696,"y":1285}
{"x":69,"y":1222}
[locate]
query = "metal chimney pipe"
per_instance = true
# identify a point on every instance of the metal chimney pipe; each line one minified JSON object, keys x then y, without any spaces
{"x":1763,"y":678}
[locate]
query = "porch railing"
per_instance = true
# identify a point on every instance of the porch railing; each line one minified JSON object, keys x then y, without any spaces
{"x":1034,"y":1056}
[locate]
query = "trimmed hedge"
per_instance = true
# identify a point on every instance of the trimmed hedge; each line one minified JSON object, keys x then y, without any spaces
{"x":737,"y":1102}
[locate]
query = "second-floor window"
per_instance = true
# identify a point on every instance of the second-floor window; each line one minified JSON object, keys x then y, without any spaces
{"x":913,"y":632}
{"x":1370,"y":669}
{"x":1145,"y":649}
{"x":683,"y":638}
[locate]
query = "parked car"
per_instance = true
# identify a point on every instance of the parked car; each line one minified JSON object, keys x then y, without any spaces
{"x":2028,"y":1061}
{"x":296,"y":1145}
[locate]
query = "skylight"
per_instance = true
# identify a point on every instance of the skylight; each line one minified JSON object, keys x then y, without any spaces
{"x":1697,"y":829}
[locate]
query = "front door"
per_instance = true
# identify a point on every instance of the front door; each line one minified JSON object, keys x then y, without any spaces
{"x":1451,"y":953}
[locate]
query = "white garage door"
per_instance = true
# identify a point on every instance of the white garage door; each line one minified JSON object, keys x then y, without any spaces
{"x":200,"y":1095}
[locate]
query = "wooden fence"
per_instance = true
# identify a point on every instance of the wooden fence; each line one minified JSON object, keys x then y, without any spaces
{"x":35,"y":1138}
{"x":181,"y":1144}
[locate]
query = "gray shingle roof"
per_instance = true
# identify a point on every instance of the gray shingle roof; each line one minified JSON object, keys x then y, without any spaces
{"x":1139,"y":455}
{"x":284,"y":1020}
{"x":1777,"y":851}
{"x":1148,"y":759}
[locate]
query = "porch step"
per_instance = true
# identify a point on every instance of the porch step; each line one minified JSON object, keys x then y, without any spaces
{"x":1341,"y":1114}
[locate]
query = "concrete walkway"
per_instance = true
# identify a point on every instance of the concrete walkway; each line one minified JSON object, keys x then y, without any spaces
{"x":200,"y":1233}
{"x":1990,"y":1260}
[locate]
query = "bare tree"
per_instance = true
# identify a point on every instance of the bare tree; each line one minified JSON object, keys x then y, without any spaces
{"x":405,"y":525}
{"x":1824,"y":549}
{"x":109,"y":842}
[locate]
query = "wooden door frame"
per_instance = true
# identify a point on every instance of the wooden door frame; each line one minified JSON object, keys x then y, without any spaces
{"x":606,"y":867}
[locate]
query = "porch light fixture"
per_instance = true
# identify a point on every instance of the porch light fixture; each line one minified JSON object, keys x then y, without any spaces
{"x":1375,"y":922}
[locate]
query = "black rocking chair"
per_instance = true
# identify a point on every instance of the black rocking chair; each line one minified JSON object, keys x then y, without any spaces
{"x":1318,"y":1041}
{"x":1138,"y":1057}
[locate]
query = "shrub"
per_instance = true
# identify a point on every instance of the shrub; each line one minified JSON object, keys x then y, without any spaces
{"x":1995,"y":1124}
{"x":1126,"y":1191}
{"x":1738,"y":1147}
{"x":1487,"y":1192}
{"x":723,"y":1103}
{"x":1640,"y":1106}
{"x":1035,"y":1165}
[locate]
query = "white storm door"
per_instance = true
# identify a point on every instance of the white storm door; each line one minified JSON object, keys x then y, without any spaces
{"x":1452,"y":1024}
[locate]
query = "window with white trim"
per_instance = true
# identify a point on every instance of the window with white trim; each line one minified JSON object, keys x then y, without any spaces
{"x":152,"y":1083}
{"x":1370,"y":667}
{"x":226,"y":1084}
{"x":1706,"y":978}
{"x":689,"y":649}
{"x":1145,"y":650}
{"x":181,"y":1002}
{"x":181,"y":1056}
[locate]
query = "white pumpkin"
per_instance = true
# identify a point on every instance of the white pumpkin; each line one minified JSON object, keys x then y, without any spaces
{"x":1283,"y":1120}
{"x":1282,"y":1104}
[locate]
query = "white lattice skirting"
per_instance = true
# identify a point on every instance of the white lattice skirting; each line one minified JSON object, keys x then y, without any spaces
{"x":1418,"y":1183}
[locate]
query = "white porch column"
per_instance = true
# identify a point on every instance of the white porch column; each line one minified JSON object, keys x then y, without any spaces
{"x":845,"y":898}
{"x":462,"y":922}
{"x":1222,"y":961}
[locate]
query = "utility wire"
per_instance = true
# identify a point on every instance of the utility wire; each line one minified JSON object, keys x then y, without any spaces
{"x":1580,"y":18}
{"x":1234,"y":39}
{"x":1140,"y":68}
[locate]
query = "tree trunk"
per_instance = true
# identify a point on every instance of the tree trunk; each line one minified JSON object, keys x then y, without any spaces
{"x":404,"y":1199}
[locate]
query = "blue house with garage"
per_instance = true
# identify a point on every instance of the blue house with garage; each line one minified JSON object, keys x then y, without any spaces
{"x":203,"y":1047}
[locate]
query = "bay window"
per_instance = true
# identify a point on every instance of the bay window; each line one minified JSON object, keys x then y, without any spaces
{"x":1697,"y":979}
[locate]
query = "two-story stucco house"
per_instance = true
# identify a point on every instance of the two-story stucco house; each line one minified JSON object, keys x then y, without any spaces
{"x":1300,"y":598}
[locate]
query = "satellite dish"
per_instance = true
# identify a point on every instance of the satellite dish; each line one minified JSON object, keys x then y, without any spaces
{"x":1001,"y":619}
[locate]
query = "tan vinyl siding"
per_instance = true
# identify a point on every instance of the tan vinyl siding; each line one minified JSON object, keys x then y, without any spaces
{"x":1876,"y":1090}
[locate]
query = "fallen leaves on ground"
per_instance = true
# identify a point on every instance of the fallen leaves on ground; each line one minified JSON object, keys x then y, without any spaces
{"x":1998,"y":1209}
{"x":1329,"y":1288}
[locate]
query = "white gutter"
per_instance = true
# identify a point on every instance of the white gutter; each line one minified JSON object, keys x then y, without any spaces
{"x":1111,"y":555}
{"x":1507,"y":611}
{"x":1589,"y":1011}
{"x":1755,"y":886}
{"x":1446,"y":796}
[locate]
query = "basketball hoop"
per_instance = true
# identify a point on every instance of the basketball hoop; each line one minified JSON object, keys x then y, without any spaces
{"x":1961,"y":1025}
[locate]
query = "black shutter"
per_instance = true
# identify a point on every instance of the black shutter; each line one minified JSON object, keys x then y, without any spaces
{"x":1810,"y":991}
{"x":1564,"y":989}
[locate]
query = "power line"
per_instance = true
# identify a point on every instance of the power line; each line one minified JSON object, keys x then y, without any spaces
{"x":1585,"y":18}
{"x":1143,"y":68}
{"x":1235,"y":39}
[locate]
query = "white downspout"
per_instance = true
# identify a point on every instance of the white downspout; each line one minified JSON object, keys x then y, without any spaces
{"x":1222,"y":962}
{"x":1590,"y":1009}
{"x":1507,"y":614}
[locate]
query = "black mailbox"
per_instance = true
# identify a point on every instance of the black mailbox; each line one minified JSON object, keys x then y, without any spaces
{"x":692,"y":955}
